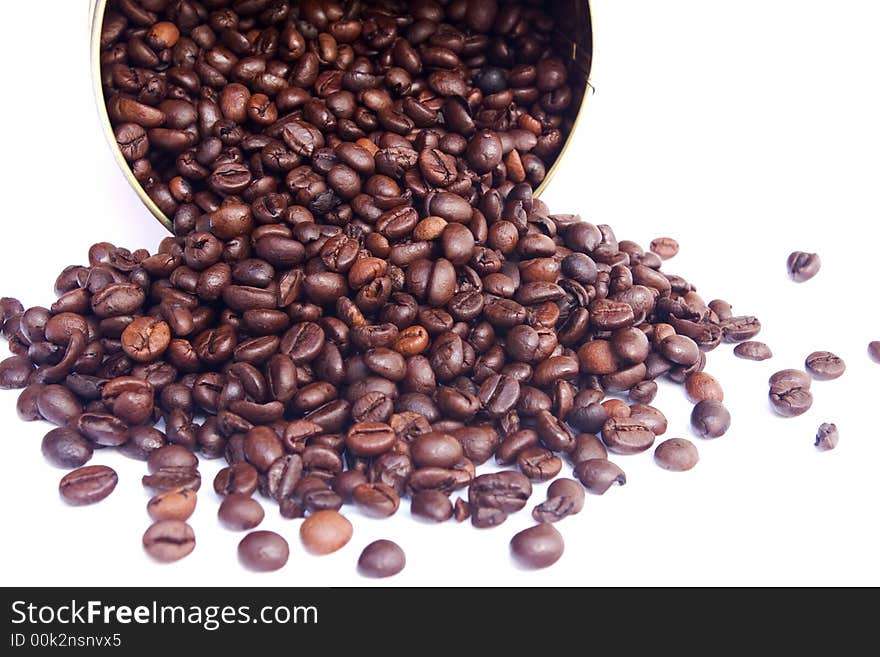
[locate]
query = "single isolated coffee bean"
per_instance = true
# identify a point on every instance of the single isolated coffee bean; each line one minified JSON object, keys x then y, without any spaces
{"x":263,"y":551}
{"x":537,"y":547}
{"x":87,"y":485}
{"x":874,"y":350}
{"x":665,"y":247}
{"x":240,"y":512}
{"x":825,"y":366}
{"x":790,"y":394}
{"x":676,"y":455}
{"x":169,"y":540}
{"x":803,"y":266}
{"x":381,"y":558}
{"x":752,"y":350}
{"x":827,"y":437}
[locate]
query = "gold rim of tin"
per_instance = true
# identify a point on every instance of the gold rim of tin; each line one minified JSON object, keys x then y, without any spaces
{"x":580,"y":53}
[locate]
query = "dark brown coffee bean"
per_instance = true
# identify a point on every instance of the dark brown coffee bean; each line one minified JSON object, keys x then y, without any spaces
{"x":169,"y":540}
{"x":88,"y":484}
{"x":539,"y":464}
{"x":240,"y":512}
{"x":537,"y":547}
{"x":432,"y":505}
{"x":376,"y":500}
{"x":66,"y":448}
{"x":676,"y":454}
{"x":710,"y":419}
{"x":627,"y":436}
{"x":381,"y":559}
{"x":435,"y":449}
{"x":598,"y":475}
{"x":263,"y":551}
{"x":737,"y":329}
{"x":565,"y":497}
{"x":507,"y":491}
{"x":790,"y":392}
{"x":239,"y":478}
{"x":173,"y":478}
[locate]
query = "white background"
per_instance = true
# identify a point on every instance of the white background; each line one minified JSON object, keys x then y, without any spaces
{"x":744,"y":130}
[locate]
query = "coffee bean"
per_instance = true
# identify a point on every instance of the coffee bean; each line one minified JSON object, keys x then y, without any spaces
{"x":238,"y":478}
{"x":825,"y":366}
{"x":538,"y":464}
{"x":58,"y":405}
{"x":435,"y":449}
{"x":88,"y":484}
{"x":145,"y":339}
{"x":827,"y":437}
{"x":537,"y":547}
{"x":598,"y":475}
{"x":169,"y":540}
{"x":565,"y":497}
{"x":700,"y":386}
{"x":380,"y":559}
{"x":753,"y":351}
{"x":665,"y":247}
{"x":803,"y":266}
{"x":324,"y":532}
{"x":790,"y":392}
{"x":710,"y":419}
{"x":676,"y":455}
{"x":15,"y":372}
{"x":587,"y":446}
{"x":507,"y":491}
{"x":66,"y":448}
{"x":376,"y":499}
{"x":240,"y":512}
{"x":737,"y":329}
{"x":173,"y":478}
{"x":627,"y":435}
{"x":485,"y":517}
{"x":874,"y":350}
{"x":172,"y":505}
{"x":263,"y":551}
{"x":432,"y":505}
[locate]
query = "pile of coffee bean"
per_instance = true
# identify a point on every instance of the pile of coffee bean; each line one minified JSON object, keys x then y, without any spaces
{"x":362,"y":300}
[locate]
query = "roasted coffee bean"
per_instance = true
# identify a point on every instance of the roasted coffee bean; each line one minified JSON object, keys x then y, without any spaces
{"x":825,"y":366}
{"x":507,"y":491}
{"x":790,"y":392}
{"x":676,"y":454}
{"x":587,"y":446}
{"x":565,"y":497}
{"x":538,"y":464}
{"x":66,"y":448}
{"x":827,"y":437}
{"x":803,"y":266}
{"x":710,"y":419}
{"x":432,"y":505}
{"x":627,"y":435}
{"x":15,"y":372}
{"x":381,"y":559}
{"x":737,"y":329}
{"x":239,"y":478}
{"x":376,"y":499}
{"x":173,"y":478}
{"x":598,"y":475}
{"x":874,"y":350}
{"x":171,"y":456}
{"x":537,"y":547}
{"x":88,"y":484}
{"x":370,"y":438}
{"x":700,"y":386}
{"x":169,"y":540}
{"x":146,"y":339}
{"x":484,"y":517}
{"x":665,"y":247}
{"x":752,"y":350}
{"x":325,"y":532}
{"x":643,"y":392}
{"x":263,"y":551}
{"x":240,"y":512}
{"x":172,"y":505}
{"x":435,"y":449}
{"x":58,"y":405}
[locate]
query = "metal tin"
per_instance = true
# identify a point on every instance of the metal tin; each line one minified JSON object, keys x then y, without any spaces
{"x":574,"y":32}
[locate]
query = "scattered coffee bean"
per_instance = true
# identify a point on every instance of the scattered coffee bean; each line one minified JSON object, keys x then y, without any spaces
{"x":751,"y":350}
{"x":790,"y":393}
{"x":87,"y":485}
{"x":803,"y":266}
{"x":598,"y":475}
{"x":240,"y":512}
{"x":710,"y":419}
{"x":874,"y":350}
{"x":565,"y":497}
{"x":665,"y":247}
{"x":825,"y":366}
{"x":701,"y":386}
{"x":169,"y":540}
{"x":537,"y":547}
{"x":676,"y":455}
{"x":324,"y":532}
{"x":827,"y":437}
{"x":263,"y":551}
{"x":172,"y":505}
{"x":381,"y":558}
{"x":66,"y":448}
